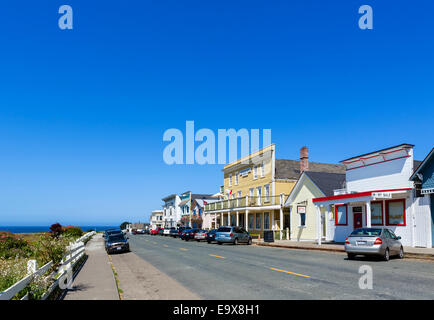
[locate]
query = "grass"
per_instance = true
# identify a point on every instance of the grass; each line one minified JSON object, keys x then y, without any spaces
{"x":115,"y":274}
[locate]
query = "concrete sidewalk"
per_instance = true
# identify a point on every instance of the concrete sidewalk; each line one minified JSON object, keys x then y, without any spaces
{"x":95,"y":281}
{"x":410,"y":252}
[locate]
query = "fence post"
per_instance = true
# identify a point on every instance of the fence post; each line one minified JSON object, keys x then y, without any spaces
{"x":32,"y":266}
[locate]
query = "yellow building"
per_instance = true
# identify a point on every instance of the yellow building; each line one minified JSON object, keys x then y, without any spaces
{"x":256,"y":188}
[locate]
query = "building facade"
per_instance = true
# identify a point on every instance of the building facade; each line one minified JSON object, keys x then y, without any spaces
{"x":156,"y":220}
{"x":378,"y":193}
{"x":255,"y":189}
{"x":171,"y":211}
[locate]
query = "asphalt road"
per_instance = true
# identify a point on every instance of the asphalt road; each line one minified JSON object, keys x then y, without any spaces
{"x":253,"y":272}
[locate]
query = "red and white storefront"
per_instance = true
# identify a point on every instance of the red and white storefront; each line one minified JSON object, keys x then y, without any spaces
{"x":378,"y":193}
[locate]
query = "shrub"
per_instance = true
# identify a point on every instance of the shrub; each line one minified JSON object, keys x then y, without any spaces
{"x":12,"y":246}
{"x":11,"y":271}
{"x":71,"y":231}
{"x":56,"y":230}
{"x":47,"y":249}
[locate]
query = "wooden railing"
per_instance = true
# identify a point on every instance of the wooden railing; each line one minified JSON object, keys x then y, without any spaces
{"x":75,"y":252}
{"x":247,"y":201}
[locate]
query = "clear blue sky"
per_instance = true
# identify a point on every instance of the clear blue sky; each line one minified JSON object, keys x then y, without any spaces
{"x":83,"y":111}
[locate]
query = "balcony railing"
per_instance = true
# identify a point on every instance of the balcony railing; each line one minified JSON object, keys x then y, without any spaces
{"x":246,"y":201}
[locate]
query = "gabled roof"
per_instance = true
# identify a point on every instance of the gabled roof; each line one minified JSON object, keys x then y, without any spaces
{"x":290,"y":169}
{"x":195,"y":196}
{"x":382,"y":150}
{"x":419,"y":165}
{"x":327,"y":182}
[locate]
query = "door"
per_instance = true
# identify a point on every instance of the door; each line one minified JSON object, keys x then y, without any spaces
{"x":357,"y":220}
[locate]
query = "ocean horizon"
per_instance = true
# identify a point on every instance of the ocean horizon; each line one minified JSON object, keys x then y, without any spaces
{"x":35,"y":229}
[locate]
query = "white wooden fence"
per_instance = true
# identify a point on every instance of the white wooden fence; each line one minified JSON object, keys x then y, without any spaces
{"x":75,"y":251}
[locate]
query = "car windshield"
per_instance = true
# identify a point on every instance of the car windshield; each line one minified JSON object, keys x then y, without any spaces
{"x":224,"y":229}
{"x":116,"y":238}
{"x":366,"y":232}
{"x":114,"y":232}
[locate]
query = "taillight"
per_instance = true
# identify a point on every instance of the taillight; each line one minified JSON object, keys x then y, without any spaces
{"x":378,"y":241}
{"x":347,"y":241}
{"x":231,"y":235}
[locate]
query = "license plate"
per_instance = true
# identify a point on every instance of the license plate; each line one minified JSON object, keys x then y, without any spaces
{"x":361,"y":243}
{"x":118,"y":248}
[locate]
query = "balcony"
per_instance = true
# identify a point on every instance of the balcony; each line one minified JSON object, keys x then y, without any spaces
{"x":246,"y":201}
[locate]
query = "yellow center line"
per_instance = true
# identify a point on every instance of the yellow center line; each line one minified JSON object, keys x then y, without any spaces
{"x":183,"y":249}
{"x":297,"y":274}
{"x":213,"y":255}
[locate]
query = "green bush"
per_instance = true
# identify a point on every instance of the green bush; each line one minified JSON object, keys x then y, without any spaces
{"x":74,"y":232}
{"x":12,"y":246}
{"x":47,"y":249}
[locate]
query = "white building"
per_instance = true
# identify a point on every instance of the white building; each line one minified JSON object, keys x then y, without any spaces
{"x":378,"y":193}
{"x":171,"y":211}
{"x":156,"y":220}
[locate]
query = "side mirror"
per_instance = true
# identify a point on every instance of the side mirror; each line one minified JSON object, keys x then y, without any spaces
{"x":398,"y":238}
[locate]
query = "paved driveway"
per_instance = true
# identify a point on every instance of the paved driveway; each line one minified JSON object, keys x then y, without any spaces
{"x":252,"y":272}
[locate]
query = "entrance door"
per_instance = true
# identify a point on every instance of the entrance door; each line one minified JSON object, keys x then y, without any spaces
{"x":357,"y":220}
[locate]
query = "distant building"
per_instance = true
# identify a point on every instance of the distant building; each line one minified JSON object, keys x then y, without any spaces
{"x":156,"y":219}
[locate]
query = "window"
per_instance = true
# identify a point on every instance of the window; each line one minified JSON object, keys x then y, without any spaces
{"x":302,"y":219}
{"x":259,"y":194}
{"x":267,"y":193}
{"x":236,"y":178}
{"x":395,"y":212}
{"x":377,"y":213}
{"x":266,"y":220}
{"x":230,"y":180}
{"x":255,"y":172}
{"x":258,"y":221}
{"x":251,"y":221}
{"x":341,"y":214}
{"x":262,"y":169}
{"x":239,"y":194}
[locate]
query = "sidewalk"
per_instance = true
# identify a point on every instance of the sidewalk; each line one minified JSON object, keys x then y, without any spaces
{"x":95,"y":281}
{"x":410,"y":252}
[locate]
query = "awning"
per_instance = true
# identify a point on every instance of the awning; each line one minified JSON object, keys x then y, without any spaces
{"x":359,"y":196}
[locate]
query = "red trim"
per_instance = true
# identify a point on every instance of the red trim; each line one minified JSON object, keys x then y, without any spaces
{"x":356,"y":195}
{"x":371,"y":164}
{"x":377,"y":155}
{"x":387,"y":212}
{"x":336,"y":214}
{"x":382,"y":218}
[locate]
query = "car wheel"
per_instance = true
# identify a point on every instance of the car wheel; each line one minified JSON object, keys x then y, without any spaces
{"x":219,"y":243}
{"x":236,"y":241}
{"x":401,"y":253}
{"x":249,"y":242}
{"x":208,"y":241}
{"x":350,"y":256}
{"x":386,"y":255}
{"x":186,"y":239}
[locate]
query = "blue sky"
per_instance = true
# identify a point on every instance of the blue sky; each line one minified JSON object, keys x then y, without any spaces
{"x":83,"y":111}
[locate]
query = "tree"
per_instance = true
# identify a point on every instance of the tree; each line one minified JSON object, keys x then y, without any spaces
{"x":124,"y":225}
{"x":56,"y":230}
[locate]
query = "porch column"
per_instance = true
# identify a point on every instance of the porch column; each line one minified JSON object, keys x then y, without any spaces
{"x":272,"y":219}
{"x":246,"y":217}
{"x":215,"y":220}
{"x":368,"y":214}
{"x":238,"y":219}
{"x":281,"y":221}
{"x":326,"y":221}
{"x":222,"y":223}
{"x":318,"y":223}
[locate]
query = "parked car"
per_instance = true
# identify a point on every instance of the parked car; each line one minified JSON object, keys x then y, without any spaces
{"x":166,"y":231}
{"x":200,"y":235}
{"x":373,"y":241}
{"x":160,"y":231}
{"x":153,"y":232}
{"x":140,"y":231}
{"x":233,"y":235}
{"x":110,"y":232}
{"x":189,"y":233}
{"x":174,"y":232}
{"x":183,"y":233}
{"x":210,"y":236}
{"x":117,"y":243}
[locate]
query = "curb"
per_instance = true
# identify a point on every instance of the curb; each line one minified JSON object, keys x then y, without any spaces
{"x":420,"y":256}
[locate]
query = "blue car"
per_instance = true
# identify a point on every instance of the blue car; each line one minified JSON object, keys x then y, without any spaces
{"x":232,"y":235}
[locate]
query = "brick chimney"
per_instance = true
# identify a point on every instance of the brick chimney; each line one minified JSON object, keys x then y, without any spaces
{"x":304,"y":159}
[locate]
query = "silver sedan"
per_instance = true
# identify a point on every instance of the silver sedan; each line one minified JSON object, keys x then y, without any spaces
{"x":373,"y":241}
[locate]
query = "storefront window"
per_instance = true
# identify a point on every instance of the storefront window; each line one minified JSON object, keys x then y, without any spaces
{"x":266,"y":220}
{"x":341,"y":214}
{"x":395,"y":212}
{"x":258,"y":221}
{"x":251,"y":221}
{"x":377,"y":213}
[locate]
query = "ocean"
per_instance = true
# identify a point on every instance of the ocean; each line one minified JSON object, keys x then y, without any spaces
{"x":34,"y":229}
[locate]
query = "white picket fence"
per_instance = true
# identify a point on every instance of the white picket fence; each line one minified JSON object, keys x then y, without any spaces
{"x":75,"y":251}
